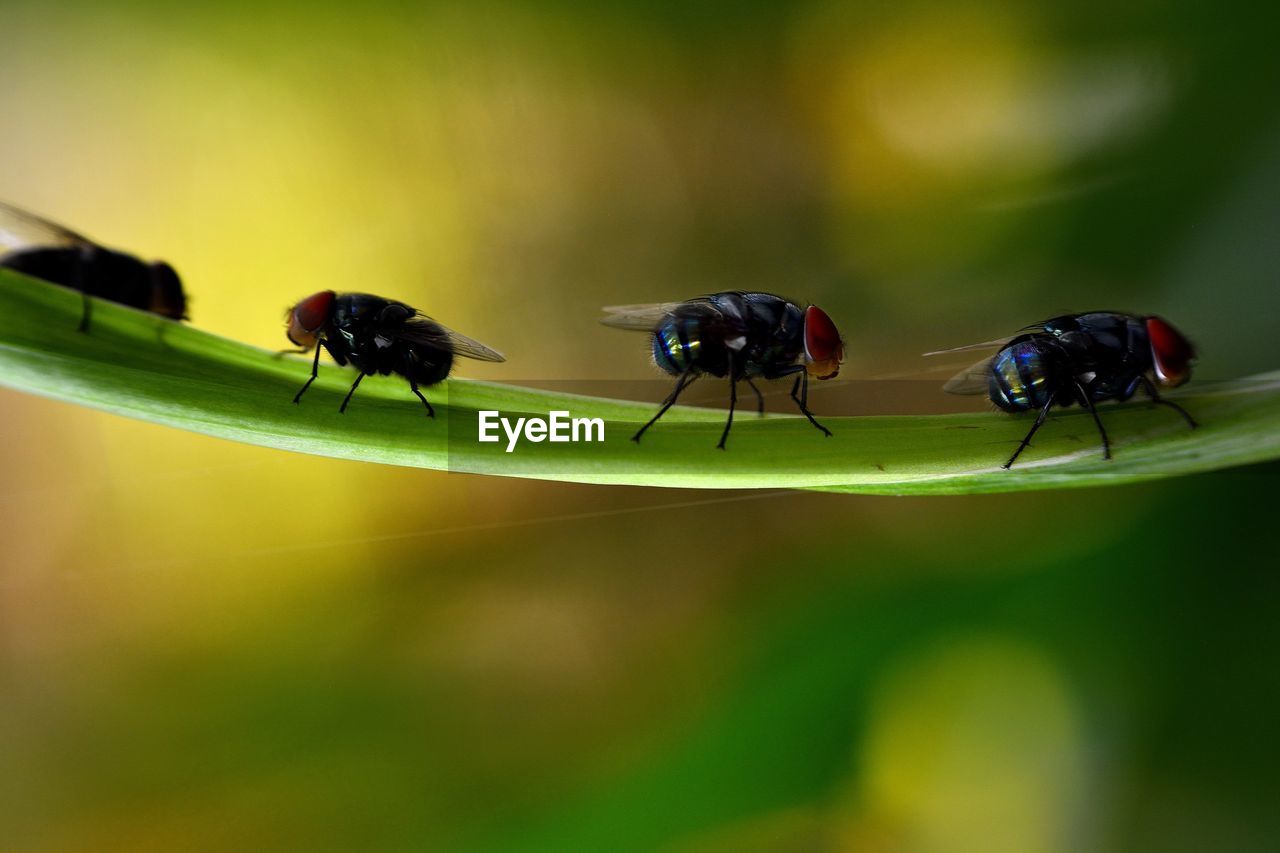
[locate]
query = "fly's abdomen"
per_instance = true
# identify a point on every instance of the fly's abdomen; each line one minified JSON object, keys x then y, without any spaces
{"x":676,"y":345}
{"x":106,"y":274}
{"x":1020,"y":378}
{"x":424,"y":365}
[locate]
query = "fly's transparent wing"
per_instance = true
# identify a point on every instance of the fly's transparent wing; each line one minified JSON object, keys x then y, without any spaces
{"x":972,"y":380}
{"x":642,"y":318}
{"x":424,"y":330}
{"x":471,"y":348}
{"x":21,"y":229}
{"x":998,"y":342}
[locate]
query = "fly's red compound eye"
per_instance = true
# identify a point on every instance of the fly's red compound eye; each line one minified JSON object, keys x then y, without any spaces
{"x":822,"y":345}
{"x":1171,"y":353}
{"x":312,"y":312}
{"x":821,"y":340}
{"x":308,"y":316}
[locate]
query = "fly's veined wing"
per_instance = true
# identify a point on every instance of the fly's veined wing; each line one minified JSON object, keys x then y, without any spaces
{"x":998,"y":342}
{"x":21,"y":229}
{"x":642,"y":318}
{"x":471,"y":348}
{"x":972,"y":380}
{"x":424,"y":330}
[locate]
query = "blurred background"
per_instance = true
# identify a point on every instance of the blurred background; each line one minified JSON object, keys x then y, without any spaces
{"x":210,"y":646}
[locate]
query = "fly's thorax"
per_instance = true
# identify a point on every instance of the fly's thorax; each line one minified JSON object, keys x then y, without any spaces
{"x":119,"y":277}
{"x":367,"y":324}
{"x":1106,"y":341}
{"x":358,"y":310}
{"x":768,"y":336}
{"x":787,"y":331}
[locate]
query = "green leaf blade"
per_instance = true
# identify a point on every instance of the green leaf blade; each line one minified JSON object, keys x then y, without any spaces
{"x":142,"y":366}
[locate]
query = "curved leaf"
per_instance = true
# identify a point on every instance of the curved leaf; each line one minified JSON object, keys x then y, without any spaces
{"x":142,"y":366}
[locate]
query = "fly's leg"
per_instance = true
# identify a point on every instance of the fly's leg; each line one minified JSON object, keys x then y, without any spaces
{"x":759,"y":396}
{"x":733,"y":404}
{"x":315,"y":369}
{"x":686,"y":379}
{"x":802,"y":385}
{"x":1156,"y":398}
{"x":342,"y":410}
{"x":1088,"y":401}
{"x":86,"y":255}
{"x":1044,"y":413}
{"x":431,"y":413}
{"x":84,"y":311}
